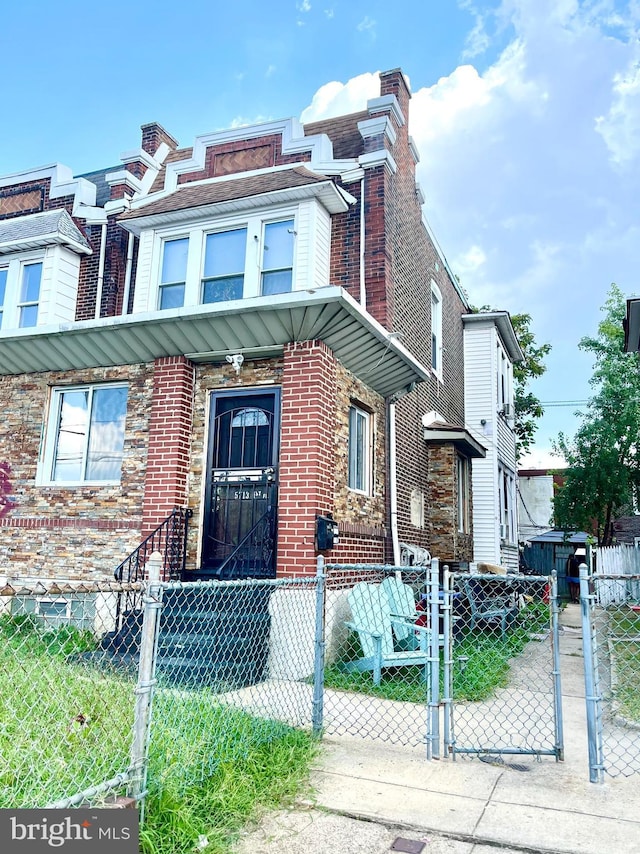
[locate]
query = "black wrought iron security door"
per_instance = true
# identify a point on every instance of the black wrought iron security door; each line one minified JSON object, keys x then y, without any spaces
{"x":241,"y":495}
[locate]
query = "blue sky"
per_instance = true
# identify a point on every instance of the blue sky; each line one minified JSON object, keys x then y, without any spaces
{"x":526,"y":114}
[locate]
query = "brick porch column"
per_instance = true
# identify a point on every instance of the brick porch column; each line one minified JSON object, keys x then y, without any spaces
{"x":170,"y":425}
{"x":307,"y":452}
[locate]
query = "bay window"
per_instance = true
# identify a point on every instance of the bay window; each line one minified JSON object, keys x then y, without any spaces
{"x":246,"y":259}
{"x":20,"y":286}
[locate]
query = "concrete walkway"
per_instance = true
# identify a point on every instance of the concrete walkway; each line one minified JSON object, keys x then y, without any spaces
{"x":370,"y":798}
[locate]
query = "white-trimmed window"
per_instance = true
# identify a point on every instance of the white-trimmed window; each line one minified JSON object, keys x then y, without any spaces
{"x":20,"y":287}
{"x":463,"y":494}
{"x":506,"y":492}
{"x":254,"y":257}
{"x":436,"y":330}
{"x":85,"y":434}
{"x":359,"y":449}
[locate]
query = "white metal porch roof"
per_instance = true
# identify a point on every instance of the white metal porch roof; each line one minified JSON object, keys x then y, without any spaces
{"x":258,"y":327}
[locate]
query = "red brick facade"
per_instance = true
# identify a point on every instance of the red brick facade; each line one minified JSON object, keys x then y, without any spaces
{"x":380,"y":254}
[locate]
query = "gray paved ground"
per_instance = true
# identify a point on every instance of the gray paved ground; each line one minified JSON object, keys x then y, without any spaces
{"x":367,"y":794}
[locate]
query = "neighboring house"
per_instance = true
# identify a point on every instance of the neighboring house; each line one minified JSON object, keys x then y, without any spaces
{"x":490,"y":349}
{"x":536,"y":489}
{"x":258,"y":330}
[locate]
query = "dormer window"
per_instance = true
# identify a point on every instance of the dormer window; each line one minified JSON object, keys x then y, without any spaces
{"x":241,"y":260}
{"x":224,"y":264}
{"x":30,"y":294}
{"x":277,"y":257}
{"x":174,"y":272}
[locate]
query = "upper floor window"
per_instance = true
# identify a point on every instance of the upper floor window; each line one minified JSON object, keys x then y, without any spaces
{"x":359,"y":449}
{"x":85,"y":434}
{"x":436,"y":330}
{"x":20,"y":285}
{"x":249,"y":259}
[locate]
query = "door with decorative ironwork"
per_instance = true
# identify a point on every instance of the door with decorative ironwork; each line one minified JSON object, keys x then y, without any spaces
{"x":242,"y":486}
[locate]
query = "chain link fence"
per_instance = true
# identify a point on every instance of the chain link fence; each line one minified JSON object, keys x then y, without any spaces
{"x":501,"y":682}
{"x":114,"y":689}
{"x":380,"y":670}
{"x":610,"y":607}
{"x":66,"y":706}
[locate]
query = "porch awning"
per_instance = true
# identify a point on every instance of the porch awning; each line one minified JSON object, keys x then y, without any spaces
{"x":257,"y":328}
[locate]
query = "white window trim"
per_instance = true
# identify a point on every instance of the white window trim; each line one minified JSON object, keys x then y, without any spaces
{"x":45,"y":465}
{"x":436,"y":330}
{"x":15,"y":265}
{"x":463,"y":475}
{"x":367,"y":449}
{"x":197,"y":235}
{"x":506,"y":514}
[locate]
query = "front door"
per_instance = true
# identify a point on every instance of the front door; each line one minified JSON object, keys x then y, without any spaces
{"x":242,"y":484}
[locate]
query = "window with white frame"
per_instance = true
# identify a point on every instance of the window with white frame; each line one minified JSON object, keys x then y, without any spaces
{"x":436,"y":329}
{"x":359,"y":449}
{"x":463,"y":494}
{"x":506,"y":491}
{"x":504,"y":382}
{"x":20,"y":285}
{"x":85,"y":434}
{"x":249,"y":258}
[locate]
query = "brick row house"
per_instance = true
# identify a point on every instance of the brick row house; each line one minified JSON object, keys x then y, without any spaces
{"x":257,"y":330}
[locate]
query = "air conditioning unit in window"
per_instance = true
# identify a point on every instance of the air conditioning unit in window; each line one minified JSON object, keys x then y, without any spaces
{"x":503,"y":531}
{"x":507,"y":410}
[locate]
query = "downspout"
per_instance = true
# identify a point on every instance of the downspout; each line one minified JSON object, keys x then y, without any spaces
{"x":127,"y":275}
{"x":103,"y":249}
{"x":363,"y":289}
{"x":393,"y":484}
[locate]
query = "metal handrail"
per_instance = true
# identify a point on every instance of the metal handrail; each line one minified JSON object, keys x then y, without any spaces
{"x":170,"y":539}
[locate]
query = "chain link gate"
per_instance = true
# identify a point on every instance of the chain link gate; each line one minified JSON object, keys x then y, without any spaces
{"x":610,"y":610}
{"x":380,"y":673}
{"x":501,"y":674}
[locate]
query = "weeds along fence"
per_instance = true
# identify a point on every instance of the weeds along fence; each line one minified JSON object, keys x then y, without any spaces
{"x":610,"y":606}
{"x":99,"y":699}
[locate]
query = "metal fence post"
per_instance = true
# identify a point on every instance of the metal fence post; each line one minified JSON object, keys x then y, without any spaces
{"x":592,"y":698}
{"x":152,"y":604}
{"x":318,"y":668}
{"x":557,"y":682}
{"x":447,"y":628}
{"x":433,"y":742}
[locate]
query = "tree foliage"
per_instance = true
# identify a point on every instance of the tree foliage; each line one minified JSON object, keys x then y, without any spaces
{"x":528,"y":408}
{"x":603,"y":463}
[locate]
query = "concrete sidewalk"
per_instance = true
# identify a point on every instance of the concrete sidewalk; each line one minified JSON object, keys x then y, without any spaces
{"x":369,"y":796}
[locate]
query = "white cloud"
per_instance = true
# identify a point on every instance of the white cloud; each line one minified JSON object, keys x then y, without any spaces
{"x":367,"y":24}
{"x":529,"y":167}
{"x":271,"y":70}
{"x":329,"y":13}
{"x":620,"y":128}
{"x":303,"y":6}
{"x":336,"y":99}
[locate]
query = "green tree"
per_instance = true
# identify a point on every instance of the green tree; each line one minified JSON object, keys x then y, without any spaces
{"x":527,"y":406}
{"x":603,"y":464}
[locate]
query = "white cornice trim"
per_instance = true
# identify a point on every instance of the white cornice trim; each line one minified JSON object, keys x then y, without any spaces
{"x":420,"y":194}
{"x":386,"y":104}
{"x":413,"y":148}
{"x":376,"y":126}
{"x":139,"y":155}
{"x":62,"y":184}
{"x":123,"y":176}
{"x":293,"y":142}
{"x":378,"y":158}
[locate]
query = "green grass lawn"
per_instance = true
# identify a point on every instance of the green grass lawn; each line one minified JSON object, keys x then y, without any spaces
{"x":624,"y":632}
{"x":211,"y":769}
{"x":481,"y":663}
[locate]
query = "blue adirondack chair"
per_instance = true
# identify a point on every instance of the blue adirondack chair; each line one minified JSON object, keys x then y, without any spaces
{"x":402,"y":605}
{"x":374,"y":623}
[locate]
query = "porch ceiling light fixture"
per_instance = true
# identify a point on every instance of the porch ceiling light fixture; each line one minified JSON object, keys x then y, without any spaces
{"x":236,"y":361}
